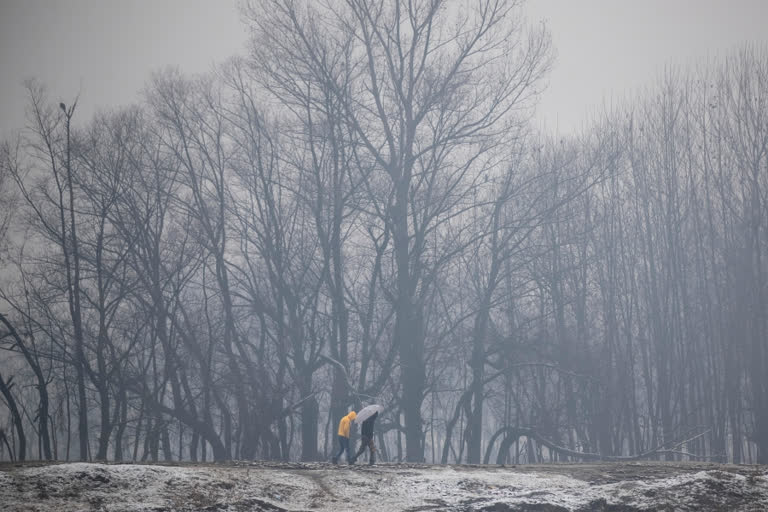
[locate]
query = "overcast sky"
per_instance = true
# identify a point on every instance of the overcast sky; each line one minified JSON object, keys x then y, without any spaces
{"x":106,"y":49}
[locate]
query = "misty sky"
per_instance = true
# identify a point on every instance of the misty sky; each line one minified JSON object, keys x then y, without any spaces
{"x":106,"y":49}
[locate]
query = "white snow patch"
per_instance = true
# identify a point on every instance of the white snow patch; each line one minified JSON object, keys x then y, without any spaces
{"x":123,"y":487}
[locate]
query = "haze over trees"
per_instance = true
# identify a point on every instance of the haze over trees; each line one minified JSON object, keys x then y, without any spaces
{"x":358,"y":211}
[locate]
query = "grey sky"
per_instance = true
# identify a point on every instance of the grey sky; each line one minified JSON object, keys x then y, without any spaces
{"x":106,"y":49}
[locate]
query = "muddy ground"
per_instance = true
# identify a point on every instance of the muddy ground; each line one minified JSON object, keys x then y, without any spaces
{"x":279,"y":487}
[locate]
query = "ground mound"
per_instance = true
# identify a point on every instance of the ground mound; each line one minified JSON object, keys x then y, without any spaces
{"x":277,"y":487}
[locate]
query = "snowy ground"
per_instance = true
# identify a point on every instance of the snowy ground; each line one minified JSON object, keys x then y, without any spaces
{"x":275,"y":487}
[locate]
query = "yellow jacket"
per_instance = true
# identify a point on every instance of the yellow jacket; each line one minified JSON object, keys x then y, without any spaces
{"x":345,"y":422}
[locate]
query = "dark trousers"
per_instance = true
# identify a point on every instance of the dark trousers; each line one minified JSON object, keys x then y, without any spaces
{"x":344,"y":447}
{"x":367,"y":442}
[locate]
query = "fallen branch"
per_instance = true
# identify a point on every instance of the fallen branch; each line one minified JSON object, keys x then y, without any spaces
{"x":289,"y":409}
{"x":512,"y":434}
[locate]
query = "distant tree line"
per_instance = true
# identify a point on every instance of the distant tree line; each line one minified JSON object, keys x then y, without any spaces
{"x":358,"y":211}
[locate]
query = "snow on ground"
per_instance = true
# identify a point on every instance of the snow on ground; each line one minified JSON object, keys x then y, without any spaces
{"x":321,"y":487}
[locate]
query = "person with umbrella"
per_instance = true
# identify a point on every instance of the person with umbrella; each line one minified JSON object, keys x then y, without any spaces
{"x":367,"y":417}
{"x":344,"y":428}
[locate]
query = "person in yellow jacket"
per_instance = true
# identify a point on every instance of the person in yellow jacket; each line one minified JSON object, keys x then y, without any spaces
{"x":344,"y":427}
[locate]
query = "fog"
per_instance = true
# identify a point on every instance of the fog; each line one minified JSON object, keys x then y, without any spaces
{"x":393,"y":203}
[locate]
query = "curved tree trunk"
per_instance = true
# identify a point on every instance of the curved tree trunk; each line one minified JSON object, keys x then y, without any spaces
{"x":512,"y":434}
{"x":5,"y":389}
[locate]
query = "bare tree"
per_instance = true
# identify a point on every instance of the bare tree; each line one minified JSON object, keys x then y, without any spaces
{"x":429,"y":103}
{"x":52,"y":149}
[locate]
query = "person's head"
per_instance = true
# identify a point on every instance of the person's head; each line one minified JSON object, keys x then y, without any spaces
{"x":352,"y":415}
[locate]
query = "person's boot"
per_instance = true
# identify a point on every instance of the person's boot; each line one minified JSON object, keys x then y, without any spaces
{"x":352,"y":460}
{"x":372,"y":460}
{"x":334,"y":460}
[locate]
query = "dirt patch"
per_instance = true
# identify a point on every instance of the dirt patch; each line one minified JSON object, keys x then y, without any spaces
{"x":602,"y":505}
{"x":278,"y":487}
{"x":524,"y":507}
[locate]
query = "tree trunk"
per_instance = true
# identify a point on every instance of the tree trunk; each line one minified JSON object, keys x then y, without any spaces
{"x":5,"y":389}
